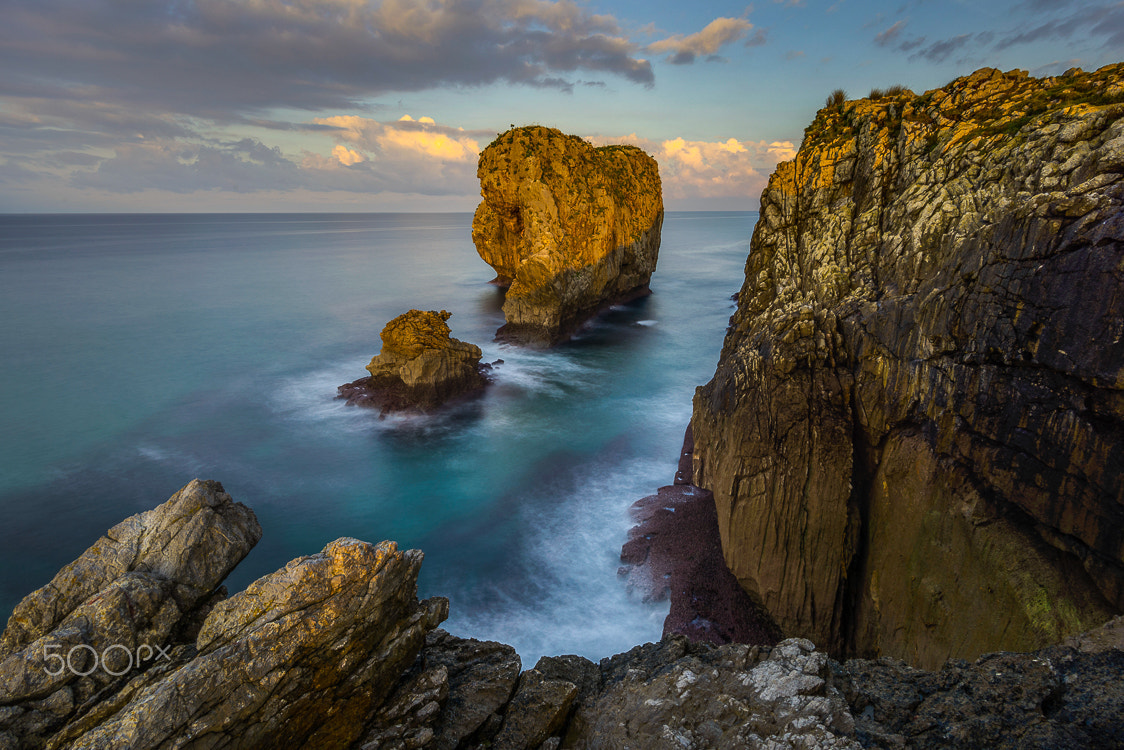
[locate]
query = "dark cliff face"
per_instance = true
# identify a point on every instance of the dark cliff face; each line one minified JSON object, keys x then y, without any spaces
{"x":915,"y":433}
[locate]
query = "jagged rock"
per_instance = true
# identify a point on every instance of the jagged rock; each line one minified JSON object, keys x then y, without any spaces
{"x":568,"y":228}
{"x":574,"y":669}
{"x":303,"y":656}
{"x":538,"y":709}
{"x":482,"y":677}
{"x":915,"y":433}
{"x":406,"y":719}
{"x":117,"y":608}
{"x":682,"y":696}
{"x":1056,"y":698}
{"x":420,"y":366}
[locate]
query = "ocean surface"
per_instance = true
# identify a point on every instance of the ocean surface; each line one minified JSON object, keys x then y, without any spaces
{"x":141,"y":351}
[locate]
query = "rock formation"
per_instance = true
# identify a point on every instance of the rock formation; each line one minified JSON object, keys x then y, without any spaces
{"x":335,"y":651}
{"x":420,"y":366}
{"x":675,"y":552}
{"x":568,"y":228}
{"x":915,"y":433}
{"x":130,"y":646}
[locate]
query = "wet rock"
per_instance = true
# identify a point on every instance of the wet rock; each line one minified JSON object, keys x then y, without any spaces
{"x":568,"y":228}
{"x":674,"y":552}
{"x":419,"y":367}
{"x":915,"y":433}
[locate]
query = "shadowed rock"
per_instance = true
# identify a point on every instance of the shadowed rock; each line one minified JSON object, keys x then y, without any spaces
{"x":420,"y":366}
{"x":568,"y":228}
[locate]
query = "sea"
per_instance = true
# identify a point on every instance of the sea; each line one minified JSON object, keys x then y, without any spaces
{"x":138,"y":352}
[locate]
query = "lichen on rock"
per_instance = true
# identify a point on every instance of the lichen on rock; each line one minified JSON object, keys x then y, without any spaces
{"x":420,"y":366}
{"x":915,"y":433}
{"x":568,"y":228}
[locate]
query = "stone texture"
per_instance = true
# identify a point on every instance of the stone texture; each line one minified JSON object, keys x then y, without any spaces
{"x":419,"y":367}
{"x":538,"y":709}
{"x":915,"y":433}
{"x":568,"y":228}
{"x":482,"y":677}
{"x":302,"y":657}
{"x":1056,"y":698}
{"x":682,"y":696}
{"x":111,"y":612}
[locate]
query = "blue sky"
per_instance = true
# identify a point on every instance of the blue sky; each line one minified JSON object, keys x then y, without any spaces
{"x":362,"y":105}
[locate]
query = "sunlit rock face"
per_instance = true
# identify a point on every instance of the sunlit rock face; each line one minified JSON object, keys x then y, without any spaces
{"x":420,"y":366}
{"x":915,"y":433}
{"x":568,"y":228}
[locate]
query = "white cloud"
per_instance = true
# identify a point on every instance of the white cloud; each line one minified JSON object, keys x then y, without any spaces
{"x":682,"y":49}
{"x":732,"y":171}
{"x":347,"y":156}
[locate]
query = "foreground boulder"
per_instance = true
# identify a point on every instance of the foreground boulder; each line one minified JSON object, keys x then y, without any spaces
{"x":150,"y":657}
{"x":915,"y":433}
{"x":117,"y":609}
{"x":568,"y":228}
{"x":421,"y":366}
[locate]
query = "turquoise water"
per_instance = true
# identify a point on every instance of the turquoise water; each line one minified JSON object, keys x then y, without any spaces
{"x":142,"y":351}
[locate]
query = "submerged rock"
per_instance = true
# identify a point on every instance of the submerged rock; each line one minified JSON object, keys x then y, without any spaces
{"x":568,"y":228}
{"x":915,"y":433}
{"x":421,"y":366}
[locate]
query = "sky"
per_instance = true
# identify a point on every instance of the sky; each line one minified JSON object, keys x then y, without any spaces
{"x":384,"y":105}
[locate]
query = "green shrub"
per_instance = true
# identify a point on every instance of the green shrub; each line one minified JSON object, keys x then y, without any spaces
{"x":837,"y":98}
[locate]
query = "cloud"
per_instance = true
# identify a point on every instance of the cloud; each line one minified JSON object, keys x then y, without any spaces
{"x":681,"y":50}
{"x":419,"y":157}
{"x":347,"y":156}
{"x":890,"y":35}
{"x":222,"y":58}
{"x":1101,"y":21}
{"x":794,"y":54}
{"x":715,"y":171}
{"x":938,"y":52}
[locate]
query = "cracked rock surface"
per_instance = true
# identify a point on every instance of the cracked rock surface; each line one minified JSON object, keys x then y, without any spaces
{"x":915,"y":432}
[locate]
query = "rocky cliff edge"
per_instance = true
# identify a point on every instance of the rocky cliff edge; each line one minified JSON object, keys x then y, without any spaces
{"x":915,"y":433}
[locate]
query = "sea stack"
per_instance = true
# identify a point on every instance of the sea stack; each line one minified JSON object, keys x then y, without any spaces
{"x":915,"y":432}
{"x":568,"y":228}
{"x":421,"y":366}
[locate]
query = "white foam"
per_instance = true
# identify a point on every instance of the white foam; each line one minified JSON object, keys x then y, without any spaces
{"x":580,"y":606}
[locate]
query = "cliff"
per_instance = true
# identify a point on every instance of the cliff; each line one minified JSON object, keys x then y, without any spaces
{"x":568,"y":228}
{"x":419,"y":367}
{"x":132,"y":646}
{"x":915,"y":432}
